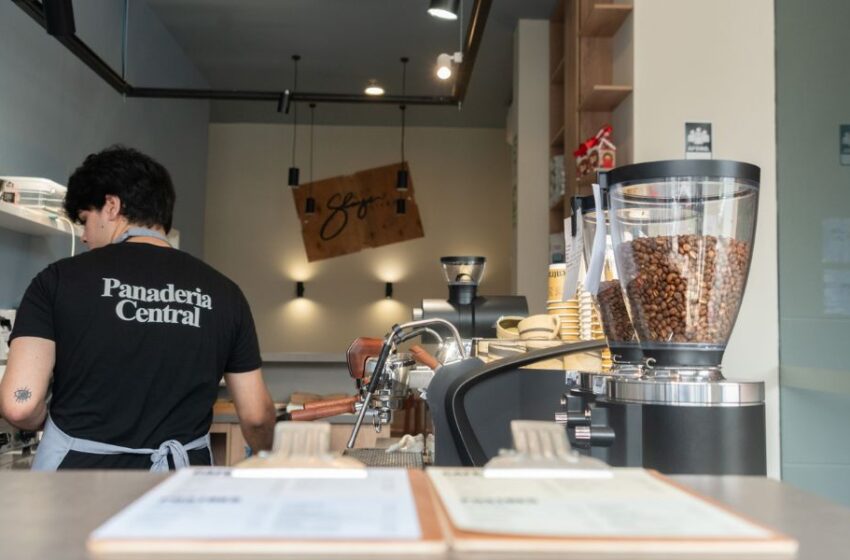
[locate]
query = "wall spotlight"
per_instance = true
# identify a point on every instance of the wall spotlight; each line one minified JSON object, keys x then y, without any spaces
{"x":445,"y":63}
{"x":299,"y":289}
{"x":444,"y":9}
{"x":373,"y":88}
{"x":388,"y":290}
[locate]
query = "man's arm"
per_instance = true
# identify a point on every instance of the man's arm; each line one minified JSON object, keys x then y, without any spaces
{"x":254,"y":407}
{"x":23,"y":390}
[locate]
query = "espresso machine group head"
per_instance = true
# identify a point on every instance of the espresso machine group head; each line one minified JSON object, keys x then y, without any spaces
{"x":473,"y":315}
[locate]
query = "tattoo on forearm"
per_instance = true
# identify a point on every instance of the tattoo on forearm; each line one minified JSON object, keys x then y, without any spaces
{"x":22,"y":395}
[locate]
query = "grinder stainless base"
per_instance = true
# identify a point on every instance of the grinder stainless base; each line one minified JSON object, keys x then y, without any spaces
{"x":676,"y":424}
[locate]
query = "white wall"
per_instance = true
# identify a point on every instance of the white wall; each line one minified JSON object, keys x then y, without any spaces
{"x":701,"y":60}
{"x":54,"y":111}
{"x":462,"y":183}
{"x":531,"y":115}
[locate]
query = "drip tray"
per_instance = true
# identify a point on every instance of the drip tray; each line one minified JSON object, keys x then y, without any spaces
{"x":375,"y":457}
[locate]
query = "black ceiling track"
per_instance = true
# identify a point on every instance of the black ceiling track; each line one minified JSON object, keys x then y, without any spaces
{"x":475,"y":31}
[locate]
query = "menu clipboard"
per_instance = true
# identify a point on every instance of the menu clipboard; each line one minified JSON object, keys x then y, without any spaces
{"x":211,"y":511}
{"x":521,"y":516}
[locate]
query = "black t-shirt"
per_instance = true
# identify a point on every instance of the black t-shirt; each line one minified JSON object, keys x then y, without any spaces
{"x":143,"y":336}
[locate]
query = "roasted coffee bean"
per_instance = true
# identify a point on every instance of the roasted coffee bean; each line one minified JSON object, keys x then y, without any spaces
{"x":613,"y":313}
{"x":685,"y":288}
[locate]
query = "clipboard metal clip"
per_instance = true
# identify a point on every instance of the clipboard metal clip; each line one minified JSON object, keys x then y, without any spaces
{"x":541,"y":450}
{"x":300,"y":450}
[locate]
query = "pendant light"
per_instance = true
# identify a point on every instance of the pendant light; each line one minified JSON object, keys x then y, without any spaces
{"x":444,"y":9}
{"x":310,"y":204}
{"x":401,"y":178}
{"x":293,"y":171}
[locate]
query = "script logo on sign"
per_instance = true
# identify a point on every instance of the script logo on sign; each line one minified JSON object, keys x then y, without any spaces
{"x":355,"y":212}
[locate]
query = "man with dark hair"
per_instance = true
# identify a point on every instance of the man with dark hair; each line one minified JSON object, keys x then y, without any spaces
{"x":135,"y":335}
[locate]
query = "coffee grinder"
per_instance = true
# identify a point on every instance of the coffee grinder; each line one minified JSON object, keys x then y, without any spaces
{"x":682,"y":234}
{"x":473,"y":315}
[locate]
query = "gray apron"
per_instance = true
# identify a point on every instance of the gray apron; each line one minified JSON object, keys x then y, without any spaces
{"x":55,"y":444}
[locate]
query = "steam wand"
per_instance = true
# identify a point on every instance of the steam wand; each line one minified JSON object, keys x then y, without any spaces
{"x":391,"y":340}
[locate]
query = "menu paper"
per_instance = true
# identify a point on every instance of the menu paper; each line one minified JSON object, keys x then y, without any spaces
{"x":214,"y":505}
{"x":632,"y":503}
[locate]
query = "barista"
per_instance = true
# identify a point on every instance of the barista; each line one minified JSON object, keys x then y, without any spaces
{"x":134,"y":334}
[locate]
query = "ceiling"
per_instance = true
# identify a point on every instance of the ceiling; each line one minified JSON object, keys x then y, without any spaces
{"x":248,"y":44}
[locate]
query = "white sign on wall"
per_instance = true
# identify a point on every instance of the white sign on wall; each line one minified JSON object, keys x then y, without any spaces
{"x":844,"y":143}
{"x":697,"y":140}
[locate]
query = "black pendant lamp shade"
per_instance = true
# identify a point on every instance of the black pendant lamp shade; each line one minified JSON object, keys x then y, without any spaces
{"x":293,"y":176}
{"x":401,"y":179}
{"x":310,"y":205}
{"x":400,"y":206}
{"x":444,"y":9}
{"x":293,"y":171}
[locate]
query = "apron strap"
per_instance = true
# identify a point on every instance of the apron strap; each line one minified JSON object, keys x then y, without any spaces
{"x":55,"y":445}
{"x":140,"y":232}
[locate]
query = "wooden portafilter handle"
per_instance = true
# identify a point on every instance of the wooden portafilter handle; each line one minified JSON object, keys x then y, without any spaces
{"x":424,"y":357}
{"x":321,"y":412}
{"x":331,"y":402}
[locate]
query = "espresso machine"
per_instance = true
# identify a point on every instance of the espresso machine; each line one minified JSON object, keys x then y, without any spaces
{"x":681,"y":234}
{"x":473,"y":315}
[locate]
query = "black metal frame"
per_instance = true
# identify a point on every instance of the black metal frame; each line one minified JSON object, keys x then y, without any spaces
{"x":475,"y":32}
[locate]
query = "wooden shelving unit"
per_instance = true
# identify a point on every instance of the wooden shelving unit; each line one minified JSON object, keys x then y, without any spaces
{"x":583,"y":94}
{"x":557,"y":141}
{"x":604,"y":98}
{"x":604,"y":19}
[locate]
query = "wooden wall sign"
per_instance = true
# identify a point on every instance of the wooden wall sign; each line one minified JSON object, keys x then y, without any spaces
{"x":355,"y":212}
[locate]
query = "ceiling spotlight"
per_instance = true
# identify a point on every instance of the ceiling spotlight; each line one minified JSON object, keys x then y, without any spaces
{"x":445,"y":62}
{"x":373,"y":88}
{"x":444,"y":9}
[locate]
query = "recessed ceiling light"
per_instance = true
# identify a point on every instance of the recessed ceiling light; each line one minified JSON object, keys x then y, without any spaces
{"x":373,"y":88}
{"x":444,"y":9}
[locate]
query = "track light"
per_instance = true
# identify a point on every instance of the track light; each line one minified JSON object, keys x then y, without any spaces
{"x":444,"y":9}
{"x":299,"y":289}
{"x":59,"y":18}
{"x":445,"y":62}
{"x":373,"y":88}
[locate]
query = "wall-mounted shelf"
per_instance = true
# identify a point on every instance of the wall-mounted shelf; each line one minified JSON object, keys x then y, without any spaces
{"x":604,"y":98}
{"x":33,"y":222}
{"x":604,"y":19}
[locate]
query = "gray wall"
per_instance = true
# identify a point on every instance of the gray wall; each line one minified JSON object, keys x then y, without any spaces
{"x":813,"y":89}
{"x":54,"y":111}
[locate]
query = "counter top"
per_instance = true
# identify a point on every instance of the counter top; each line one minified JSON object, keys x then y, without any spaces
{"x":50,"y":515}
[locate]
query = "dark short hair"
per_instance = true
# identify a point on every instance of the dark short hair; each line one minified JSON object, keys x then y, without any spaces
{"x":143,"y":185}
